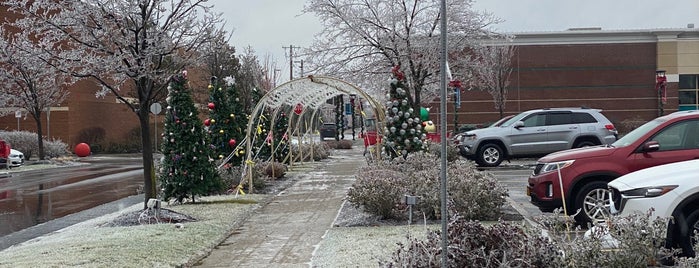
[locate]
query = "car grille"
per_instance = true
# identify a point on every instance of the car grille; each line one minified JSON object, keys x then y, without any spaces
{"x":616,"y":198}
{"x":537,"y":169}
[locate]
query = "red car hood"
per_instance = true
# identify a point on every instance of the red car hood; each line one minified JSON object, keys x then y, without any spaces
{"x":578,"y":153}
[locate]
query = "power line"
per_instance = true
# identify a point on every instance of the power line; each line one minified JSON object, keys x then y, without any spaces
{"x":291,"y":61}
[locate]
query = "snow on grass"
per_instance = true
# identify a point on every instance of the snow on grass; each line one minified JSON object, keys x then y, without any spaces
{"x":156,"y":245}
{"x":364,"y":246}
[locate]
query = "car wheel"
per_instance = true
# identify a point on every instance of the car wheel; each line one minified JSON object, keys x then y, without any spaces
{"x":489,"y":155}
{"x":584,"y":143}
{"x":593,"y":202}
{"x":688,"y":229}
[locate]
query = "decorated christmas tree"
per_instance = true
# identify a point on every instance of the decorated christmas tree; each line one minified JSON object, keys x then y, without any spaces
{"x":281,"y":137}
{"x":227,"y":121}
{"x":403,"y":133}
{"x":187,"y":168}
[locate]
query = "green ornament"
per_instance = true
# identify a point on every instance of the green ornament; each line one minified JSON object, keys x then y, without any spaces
{"x":424,"y":114}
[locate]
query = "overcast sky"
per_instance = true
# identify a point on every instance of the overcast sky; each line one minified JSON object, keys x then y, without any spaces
{"x":270,"y":25}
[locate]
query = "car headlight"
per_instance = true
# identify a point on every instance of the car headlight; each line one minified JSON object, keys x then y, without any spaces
{"x":649,"y":191}
{"x":548,"y":167}
{"x":469,"y":137}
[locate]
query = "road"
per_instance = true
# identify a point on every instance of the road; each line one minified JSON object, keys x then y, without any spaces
{"x":514,"y":177}
{"x":32,"y":197}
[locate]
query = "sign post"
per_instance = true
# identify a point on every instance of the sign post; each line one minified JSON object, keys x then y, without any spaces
{"x":155,"y":108}
{"x":18,"y":115}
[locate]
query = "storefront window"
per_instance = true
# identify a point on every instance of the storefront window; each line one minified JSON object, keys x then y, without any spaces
{"x":688,"y":92}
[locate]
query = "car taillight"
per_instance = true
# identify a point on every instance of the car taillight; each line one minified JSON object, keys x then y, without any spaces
{"x":609,"y":127}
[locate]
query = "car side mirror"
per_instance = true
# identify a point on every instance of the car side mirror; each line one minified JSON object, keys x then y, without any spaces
{"x":651,"y":146}
{"x":518,"y":124}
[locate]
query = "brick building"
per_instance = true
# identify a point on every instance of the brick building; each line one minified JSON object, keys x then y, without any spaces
{"x":609,"y":70}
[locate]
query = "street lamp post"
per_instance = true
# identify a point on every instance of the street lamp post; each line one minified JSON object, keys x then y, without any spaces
{"x":661,"y":89}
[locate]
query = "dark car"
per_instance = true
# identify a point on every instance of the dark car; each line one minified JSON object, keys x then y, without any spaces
{"x":582,"y":174}
{"x":328,"y":130}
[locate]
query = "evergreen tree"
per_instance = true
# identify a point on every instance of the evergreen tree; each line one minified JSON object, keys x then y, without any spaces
{"x":403,"y":133}
{"x":281,"y":138}
{"x":187,"y":168}
{"x":227,"y":121}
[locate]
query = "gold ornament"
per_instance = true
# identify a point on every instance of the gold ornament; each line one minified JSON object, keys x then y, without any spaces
{"x":221,"y":131}
{"x":211,"y":86}
{"x":232,"y":116}
{"x":213,"y":121}
{"x":220,"y":156}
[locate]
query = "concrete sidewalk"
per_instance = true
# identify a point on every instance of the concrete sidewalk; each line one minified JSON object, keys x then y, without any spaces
{"x":286,"y":232}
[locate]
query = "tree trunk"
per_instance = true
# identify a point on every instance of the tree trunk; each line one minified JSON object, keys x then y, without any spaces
{"x":39,"y":134}
{"x":148,"y":167}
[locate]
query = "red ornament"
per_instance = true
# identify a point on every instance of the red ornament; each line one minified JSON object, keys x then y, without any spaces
{"x":82,"y":149}
{"x":207,"y":122}
{"x":397,"y":73}
{"x":211,"y":105}
{"x":231,"y":142}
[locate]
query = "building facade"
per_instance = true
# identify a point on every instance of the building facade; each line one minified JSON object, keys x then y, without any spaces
{"x":610,"y":70}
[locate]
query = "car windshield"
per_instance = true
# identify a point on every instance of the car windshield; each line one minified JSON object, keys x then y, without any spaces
{"x":501,"y":121}
{"x":634,"y":135}
{"x":513,"y":120}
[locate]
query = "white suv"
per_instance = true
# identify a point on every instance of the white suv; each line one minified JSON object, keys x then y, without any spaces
{"x":536,"y":133}
{"x":672,"y":190}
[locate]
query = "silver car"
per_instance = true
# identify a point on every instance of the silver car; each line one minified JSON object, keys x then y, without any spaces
{"x":536,"y":133}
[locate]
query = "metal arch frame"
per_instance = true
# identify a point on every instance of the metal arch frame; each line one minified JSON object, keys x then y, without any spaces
{"x":311,"y":92}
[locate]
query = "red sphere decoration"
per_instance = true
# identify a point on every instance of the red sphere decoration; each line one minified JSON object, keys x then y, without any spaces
{"x":207,"y":122}
{"x":211,"y":105}
{"x":82,"y":149}
{"x":231,"y":142}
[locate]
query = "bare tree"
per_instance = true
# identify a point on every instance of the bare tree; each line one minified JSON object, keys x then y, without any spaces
{"x":492,"y":74}
{"x":363,"y":39}
{"x":131,"y":48}
{"x":27,"y":79}
{"x":254,"y":78}
{"x":220,"y":58}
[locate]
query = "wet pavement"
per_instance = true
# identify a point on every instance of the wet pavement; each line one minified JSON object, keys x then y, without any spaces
{"x":286,"y":232}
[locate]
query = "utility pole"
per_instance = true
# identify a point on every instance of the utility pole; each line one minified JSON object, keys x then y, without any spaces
{"x":301,"y":62}
{"x":291,"y":61}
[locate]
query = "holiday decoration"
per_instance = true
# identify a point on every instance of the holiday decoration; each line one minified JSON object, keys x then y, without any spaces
{"x":211,"y":105}
{"x":186,"y":171}
{"x":231,"y":143}
{"x":82,"y":149}
{"x":207,"y":122}
{"x":403,"y":133}
{"x":229,"y":126}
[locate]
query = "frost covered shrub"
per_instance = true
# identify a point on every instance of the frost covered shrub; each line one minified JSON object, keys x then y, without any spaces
{"x":303,"y":153}
{"x":275,"y":170}
{"x":93,"y":136}
{"x":341,"y":144}
{"x":379,"y":192}
{"x":471,"y":244}
{"x":27,"y":143}
{"x":636,"y":240}
{"x":472,"y":193}
{"x":452,"y":151}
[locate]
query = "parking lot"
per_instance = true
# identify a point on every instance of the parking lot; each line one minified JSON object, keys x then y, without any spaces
{"x":513,"y":175}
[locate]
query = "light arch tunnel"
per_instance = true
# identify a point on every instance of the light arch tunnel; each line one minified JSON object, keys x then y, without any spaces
{"x":311,"y":92}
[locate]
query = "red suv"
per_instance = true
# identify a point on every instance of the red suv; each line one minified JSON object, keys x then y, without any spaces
{"x":580,"y":176}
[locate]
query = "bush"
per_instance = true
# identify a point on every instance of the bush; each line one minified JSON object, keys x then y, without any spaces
{"x":340,"y":145}
{"x":232,"y":175}
{"x":320,"y":151}
{"x":435,"y":148}
{"x":274,"y":170}
{"x":382,"y":186}
{"x":379,"y":192}
{"x":27,"y":143}
{"x":94,"y":136}
{"x":633,"y":241}
{"x":471,"y":244}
